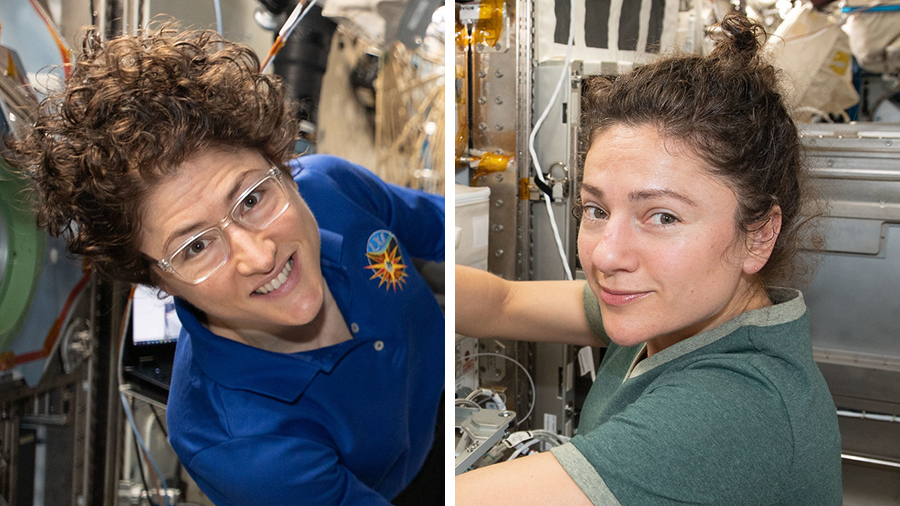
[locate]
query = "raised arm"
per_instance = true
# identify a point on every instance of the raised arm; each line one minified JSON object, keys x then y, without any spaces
{"x":546,"y":311}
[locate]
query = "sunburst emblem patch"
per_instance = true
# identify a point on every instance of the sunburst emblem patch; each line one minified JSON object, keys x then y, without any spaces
{"x":386,"y":260}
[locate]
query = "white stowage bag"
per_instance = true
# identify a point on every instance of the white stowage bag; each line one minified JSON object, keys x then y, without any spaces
{"x":814,"y":54}
{"x":875,"y":36}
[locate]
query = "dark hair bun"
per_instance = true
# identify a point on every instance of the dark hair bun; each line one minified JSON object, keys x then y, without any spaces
{"x":738,"y":37}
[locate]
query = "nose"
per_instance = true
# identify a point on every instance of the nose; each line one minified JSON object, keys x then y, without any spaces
{"x":252,"y":252}
{"x":614,"y":247}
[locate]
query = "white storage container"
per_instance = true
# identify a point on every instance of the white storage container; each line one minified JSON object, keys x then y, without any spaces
{"x":472,"y":206}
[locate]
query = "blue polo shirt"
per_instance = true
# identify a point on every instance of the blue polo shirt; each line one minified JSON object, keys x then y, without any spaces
{"x":349,"y":424}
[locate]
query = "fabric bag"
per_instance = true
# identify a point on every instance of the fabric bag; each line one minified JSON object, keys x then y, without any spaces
{"x":814,"y":54}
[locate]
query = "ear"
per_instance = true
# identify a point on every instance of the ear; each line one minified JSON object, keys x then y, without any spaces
{"x":161,"y":282}
{"x":761,"y":241}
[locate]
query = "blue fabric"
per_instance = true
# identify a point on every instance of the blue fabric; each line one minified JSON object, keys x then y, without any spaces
{"x":349,"y":424}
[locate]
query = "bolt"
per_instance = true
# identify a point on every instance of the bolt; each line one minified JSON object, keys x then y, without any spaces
{"x":482,"y":73}
{"x":498,"y":203}
{"x":498,"y":227}
{"x":480,"y":47}
{"x":482,"y":126}
{"x":498,"y":100}
{"x":498,"y":126}
{"x":889,"y":143}
{"x":498,"y":73}
{"x":498,"y":253}
{"x":499,"y":178}
{"x":482,"y":100}
{"x":829,"y":162}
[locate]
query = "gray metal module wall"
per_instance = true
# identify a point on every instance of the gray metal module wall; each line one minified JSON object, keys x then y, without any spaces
{"x":853,"y":302}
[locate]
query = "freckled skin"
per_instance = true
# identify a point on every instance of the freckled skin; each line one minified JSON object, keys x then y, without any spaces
{"x":659,"y":243}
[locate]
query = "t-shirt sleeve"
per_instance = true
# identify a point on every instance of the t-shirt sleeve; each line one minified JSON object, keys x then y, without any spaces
{"x":711,"y":434}
{"x":417,"y":218}
{"x":592,"y":311}
{"x":275,"y":470}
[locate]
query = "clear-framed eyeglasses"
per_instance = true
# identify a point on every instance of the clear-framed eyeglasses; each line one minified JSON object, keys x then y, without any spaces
{"x":197,"y":258}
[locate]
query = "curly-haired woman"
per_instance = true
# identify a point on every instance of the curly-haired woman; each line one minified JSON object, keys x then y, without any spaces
{"x":308,"y":371}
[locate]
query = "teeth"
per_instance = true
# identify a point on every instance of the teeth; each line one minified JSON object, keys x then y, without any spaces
{"x":279,"y":280}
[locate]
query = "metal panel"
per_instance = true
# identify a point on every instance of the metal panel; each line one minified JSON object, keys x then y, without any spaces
{"x":500,"y":98}
{"x":852,"y":297}
{"x":496,"y":87}
{"x":554,"y":363}
{"x":855,"y":314}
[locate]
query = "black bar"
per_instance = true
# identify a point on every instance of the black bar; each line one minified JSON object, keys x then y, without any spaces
{"x":630,"y":25}
{"x":596,"y":23}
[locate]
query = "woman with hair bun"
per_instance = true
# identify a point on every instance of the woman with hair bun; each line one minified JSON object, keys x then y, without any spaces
{"x":307,"y":369}
{"x":690,"y":195}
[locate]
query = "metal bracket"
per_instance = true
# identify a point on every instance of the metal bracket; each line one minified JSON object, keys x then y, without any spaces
{"x":484,"y":428}
{"x":556,"y":186}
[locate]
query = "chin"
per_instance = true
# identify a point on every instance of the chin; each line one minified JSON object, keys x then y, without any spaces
{"x":307,"y":307}
{"x":624,"y":334}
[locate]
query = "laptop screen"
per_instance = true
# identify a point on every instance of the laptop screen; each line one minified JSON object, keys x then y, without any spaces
{"x":153,"y":319}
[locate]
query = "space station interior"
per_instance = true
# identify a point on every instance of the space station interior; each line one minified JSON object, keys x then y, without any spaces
{"x":85,"y":362}
{"x":520,"y":72}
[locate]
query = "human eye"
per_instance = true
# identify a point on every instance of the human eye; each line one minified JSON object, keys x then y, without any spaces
{"x":663,"y":218}
{"x":590,"y":212}
{"x":252,"y":201}
{"x":196,"y":247}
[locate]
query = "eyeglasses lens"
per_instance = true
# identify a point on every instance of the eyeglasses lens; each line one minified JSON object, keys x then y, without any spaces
{"x":256,"y":209}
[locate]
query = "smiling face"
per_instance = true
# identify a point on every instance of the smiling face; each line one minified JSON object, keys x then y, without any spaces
{"x":272,"y":281}
{"x":659,"y":243}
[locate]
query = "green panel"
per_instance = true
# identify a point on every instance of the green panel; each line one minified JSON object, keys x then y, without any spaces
{"x":23,"y":248}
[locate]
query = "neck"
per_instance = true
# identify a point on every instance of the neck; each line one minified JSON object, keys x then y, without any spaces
{"x":327,"y":328}
{"x":751,"y":296}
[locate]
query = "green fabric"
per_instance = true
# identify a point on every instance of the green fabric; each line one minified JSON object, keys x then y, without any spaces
{"x":736,"y":415}
{"x":592,"y":310}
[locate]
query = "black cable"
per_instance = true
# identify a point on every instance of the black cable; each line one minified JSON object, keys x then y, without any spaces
{"x":146,"y":494}
{"x":159,"y":421}
{"x":140,"y":13}
{"x":543,"y":186}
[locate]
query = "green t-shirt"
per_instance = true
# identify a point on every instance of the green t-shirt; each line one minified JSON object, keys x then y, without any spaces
{"x":739,"y":414}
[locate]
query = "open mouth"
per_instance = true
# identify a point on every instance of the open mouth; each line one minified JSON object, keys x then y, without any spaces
{"x":278,"y":280}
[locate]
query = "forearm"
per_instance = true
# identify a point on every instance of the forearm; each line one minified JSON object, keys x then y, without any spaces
{"x":480,"y":297}
{"x":536,"y":480}
{"x":547,"y":311}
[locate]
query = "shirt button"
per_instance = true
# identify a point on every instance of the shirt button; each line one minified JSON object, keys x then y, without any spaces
{"x":379,"y":345}
{"x":354,"y":328}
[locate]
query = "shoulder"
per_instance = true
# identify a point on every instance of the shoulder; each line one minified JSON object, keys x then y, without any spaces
{"x":328,"y":166}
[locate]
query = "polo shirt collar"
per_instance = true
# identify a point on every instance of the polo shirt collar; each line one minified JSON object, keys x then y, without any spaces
{"x":788,"y":306}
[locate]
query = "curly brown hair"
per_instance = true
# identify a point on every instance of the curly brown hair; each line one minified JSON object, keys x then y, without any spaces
{"x":132,"y":111}
{"x":727,"y":108}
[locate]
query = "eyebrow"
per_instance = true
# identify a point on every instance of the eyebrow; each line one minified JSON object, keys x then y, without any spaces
{"x":640,"y":195}
{"x":229,"y":198}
